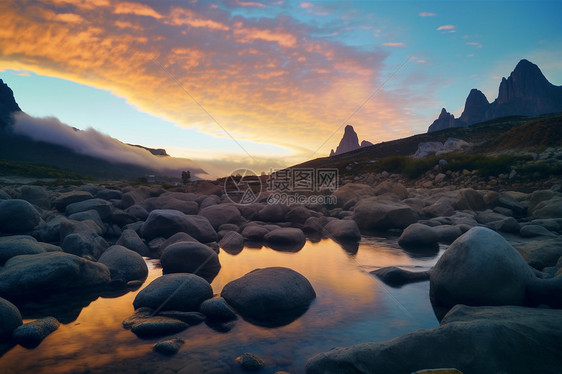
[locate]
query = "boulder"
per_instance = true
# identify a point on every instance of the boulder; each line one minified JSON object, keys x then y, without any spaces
{"x":168,"y":347}
{"x":344,"y":230}
{"x":67,"y":198}
{"x":82,"y":238}
{"x":373,"y":214}
{"x":299,"y":215}
{"x":109,"y":194}
{"x":272,"y":296}
{"x":418,"y":235}
{"x":50,"y":272}
{"x":101,"y":206}
{"x":131,"y":240}
{"x":249,"y":362}
{"x":33,"y":333}
{"x":190,"y":257}
{"x":232,"y":242}
{"x":541,"y":253}
{"x":465,"y":333}
{"x":285,"y":238}
{"x":11,"y":246}
{"x":171,"y":202}
{"x":531,"y":231}
{"x":397,"y":277}
{"x":176,"y":238}
{"x":441,"y":208}
{"x":221,"y":214}
{"x":387,"y":187}
{"x":138,"y":212}
{"x":165,"y":223}
{"x":217,"y":309}
{"x":17,"y":216}
{"x":254,"y":232}
{"x":124,"y":265}
{"x":10,"y":318}
{"x":273,"y":213}
{"x":36,"y":195}
{"x":474,"y":270}
{"x":447,"y":233}
{"x":91,"y":215}
{"x":121,"y":218}
{"x":548,"y":209}
{"x":473,"y":199}
{"x":509,"y":224}
{"x":181,"y":292}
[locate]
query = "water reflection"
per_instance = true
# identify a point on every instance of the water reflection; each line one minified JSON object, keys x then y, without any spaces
{"x":351,"y":307}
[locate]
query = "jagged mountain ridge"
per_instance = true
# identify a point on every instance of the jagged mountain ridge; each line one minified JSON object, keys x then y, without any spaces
{"x":526,"y":92}
{"x":349,"y":142}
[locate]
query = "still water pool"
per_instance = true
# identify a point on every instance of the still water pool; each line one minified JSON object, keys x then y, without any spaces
{"x":351,"y":307}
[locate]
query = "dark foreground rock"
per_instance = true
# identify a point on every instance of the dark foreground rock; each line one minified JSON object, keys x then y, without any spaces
{"x":285,"y":239}
{"x":396,"y":277}
{"x":182,"y":292}
{"x":51,"y":272}
{"x":505,"y":339}
{"x":10,"y":318}
{"x":167,"y":222}
{"x":17,"y":216}
{"x":272,"y":296}
{"x":168,"y":347}
{"x":33,"y":333}
{"x":124,"y":265}
{"x":191,"y":257}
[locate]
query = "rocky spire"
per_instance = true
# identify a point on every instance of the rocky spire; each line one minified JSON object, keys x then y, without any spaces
{"x":444,"y":121}
{"x":475,"y":107}
{"x":349,"y":142}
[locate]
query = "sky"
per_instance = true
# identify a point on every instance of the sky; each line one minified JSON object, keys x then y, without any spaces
{"x":265,"y":84}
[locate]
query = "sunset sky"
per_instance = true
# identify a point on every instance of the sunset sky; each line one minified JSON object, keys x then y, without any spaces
{"x":265,"y":84}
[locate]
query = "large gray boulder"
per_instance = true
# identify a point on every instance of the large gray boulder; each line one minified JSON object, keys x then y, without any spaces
{"x":181,"y":292}
{"x":82,"y":238}
{"x":374,"y":214}
{"x":17,"y":216}
{"x":10,"y":318}
{"x":103,"y":208}
{"x":131,"y":240}
{"x":418,"y":235}
{"x":16,"y":245}
{"x":191,"y":257}
{"x":221,"y":214}
{"x":344,"y":230}
{"x":166,"y":222}
{"x":51,"y":272}
{"x":272,"y":296}
{"x":285,"y":238}
{"x":506,"y":339}
{"x":124,"y":265}
{"x":480,"y":268}
{"x":232,"y":242}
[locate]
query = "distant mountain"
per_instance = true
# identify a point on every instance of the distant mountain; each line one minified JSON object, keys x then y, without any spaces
{"x":526,"y":92}
{"x":27,"y":147}
{"x":349,"y":142}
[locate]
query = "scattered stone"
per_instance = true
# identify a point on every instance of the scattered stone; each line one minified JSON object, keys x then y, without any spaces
{"x":155,"y":327}
{"x":418,"y":235}
{"x":344,"y":230}
{"x":253,"y":232}
{"x":373,"y":214}
{"x":67,"y":198}
{"x":33,"y":333}
{"x":285,"y":238}
{"x":221,"y":214}
{"x":124,"y":265}
{"x":168,"y":347}
{"x":191,"y":257}
{"x":232,"y":242}
{"x":16,"y":245}
{"x":249,"y":362}
{"x":182,"y":292}
{"x":191,"y":318}
{"x":166,"y":222}
{"x":217,"y":309}
{"x":531,"y":231}
{"x":36,"y":195}
{"x":131,"y":240}
{"x":101,"y":206}
{"x":397,"y":277}
{"x":273,"y":213}
{"x":17,"y":216}
{"x":10,"y":318}
{"x":272,"y":296}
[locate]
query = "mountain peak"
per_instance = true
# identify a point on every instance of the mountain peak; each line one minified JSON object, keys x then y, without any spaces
{"x":475,"y":107}
{"x":444,"y":121}
{"x":8,"y":104}
{"x":348,"y":143}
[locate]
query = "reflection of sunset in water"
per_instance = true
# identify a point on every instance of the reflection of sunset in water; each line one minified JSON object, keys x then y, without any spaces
{"x":351,"y":307}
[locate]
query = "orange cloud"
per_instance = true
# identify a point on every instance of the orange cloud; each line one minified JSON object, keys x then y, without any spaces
{"x":447,"y":28}
{"x":427,"y":14}
{"x":136,"y":9}
{"x":393,"y":44}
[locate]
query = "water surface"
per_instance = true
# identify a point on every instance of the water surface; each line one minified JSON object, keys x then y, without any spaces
{"x":351,"y":307}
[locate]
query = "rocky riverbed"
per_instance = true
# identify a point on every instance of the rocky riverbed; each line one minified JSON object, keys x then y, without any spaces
{"x":500,"y":275}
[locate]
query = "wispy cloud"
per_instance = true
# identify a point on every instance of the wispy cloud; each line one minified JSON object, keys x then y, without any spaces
{"x":267,"y":79}
{"x":475,"y":44}
{"x":393,"y":44}
{"x":427,"y":14}
{"x":447,"y":28}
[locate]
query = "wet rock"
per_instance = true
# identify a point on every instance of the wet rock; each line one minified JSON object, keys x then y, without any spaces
{"x":191,"y":318}
{"x":50,"y":272}
{"x":168,"y":347}
{"x":285,"y":238}
{"x":124,"y":265}
{"x":253,"y":232}
{"x":373,"y":214}
{"x":165,"y":223}
{"x":531,"y":231}
{"x":273,"y":213}
{"x":217,"y":309}
{"x":101,"y":206}
{"x":221,"y":214}
{"x":232,"y":242}
{"x":397,"y":277}
{"x":10,"y":318}
{"x":131,"y":240}
{"x":190,"y":257}
{"x":155,"y":327}
{"x":344,"y":230}
{"x":67,"y":198}
{"x":447,"y":233}
{"x":418,"y":235}
{"x":33,"y":333}
{"x":524,"y":334}
{"x":11,"y":246}
{"x":272,"y":296}
{"x":250,"y":362}
{"x":474,"y":269}
{"x":182,"y":292}
{"x":17,"y":216}
{"x":84,"y":243}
